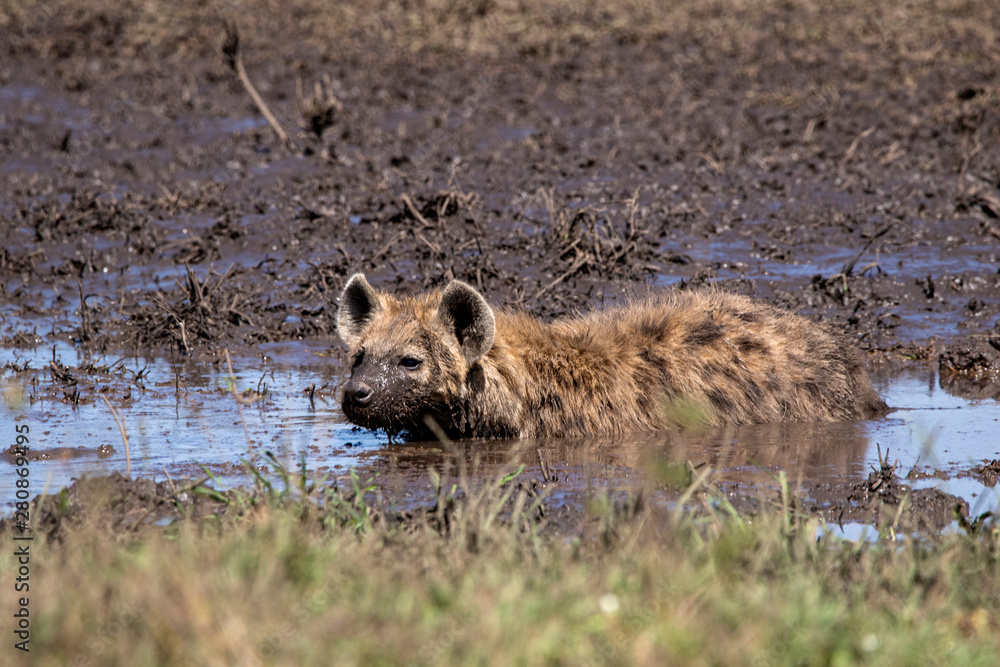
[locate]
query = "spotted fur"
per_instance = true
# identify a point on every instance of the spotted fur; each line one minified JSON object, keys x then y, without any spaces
{"x":448,"y":359}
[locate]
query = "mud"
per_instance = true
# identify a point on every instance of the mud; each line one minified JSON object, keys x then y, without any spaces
{"x":120,"y":505}
{"x":844,"y":164}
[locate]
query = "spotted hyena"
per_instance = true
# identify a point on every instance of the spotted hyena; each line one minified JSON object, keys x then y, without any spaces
{"x":446,"y":360}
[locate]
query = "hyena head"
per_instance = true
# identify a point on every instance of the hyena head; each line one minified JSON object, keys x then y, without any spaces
{"x":411,"y":356}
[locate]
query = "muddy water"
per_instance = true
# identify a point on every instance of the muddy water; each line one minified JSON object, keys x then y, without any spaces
{"x":186,"y":423}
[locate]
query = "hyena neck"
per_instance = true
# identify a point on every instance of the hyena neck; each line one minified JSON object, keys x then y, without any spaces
{"x":548,"y":380}
{"x":492,"y":400}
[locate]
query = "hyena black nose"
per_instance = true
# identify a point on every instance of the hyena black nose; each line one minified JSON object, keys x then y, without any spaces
{"x":357,"y":393}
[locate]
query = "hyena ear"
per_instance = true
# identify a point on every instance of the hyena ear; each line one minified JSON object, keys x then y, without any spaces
{"x":465,"y":309}
{"x":358,"y":304}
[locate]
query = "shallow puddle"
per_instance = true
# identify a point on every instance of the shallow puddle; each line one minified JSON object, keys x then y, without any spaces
{"x":187,"y":423}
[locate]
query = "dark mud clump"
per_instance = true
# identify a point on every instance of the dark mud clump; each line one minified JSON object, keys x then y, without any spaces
{"x":11,"y":454}
{"x":117,"y":504}
{"x":885,"y":501}
{"x":972,"y":368}
{"x":882,"y":485}
{"x":987,"y":473}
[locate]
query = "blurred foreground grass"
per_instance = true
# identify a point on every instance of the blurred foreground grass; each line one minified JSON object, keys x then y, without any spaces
{"x":319,"y":576}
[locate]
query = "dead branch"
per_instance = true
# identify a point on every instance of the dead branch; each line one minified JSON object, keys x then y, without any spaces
{"x":234,"y":58}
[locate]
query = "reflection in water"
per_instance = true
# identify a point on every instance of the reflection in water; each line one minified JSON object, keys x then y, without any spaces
{"x":751,"y":456}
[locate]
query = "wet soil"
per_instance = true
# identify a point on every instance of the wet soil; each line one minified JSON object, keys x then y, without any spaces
{"x":844,"y":164}
{"x":117,"y":504}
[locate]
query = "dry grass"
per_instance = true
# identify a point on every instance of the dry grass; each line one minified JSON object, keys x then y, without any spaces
{"x":923,"y":31}
{"x":830,"y":58}
{"x":301,"y":580}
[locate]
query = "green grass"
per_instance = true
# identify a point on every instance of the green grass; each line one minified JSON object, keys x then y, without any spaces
{"x":315,"y":576}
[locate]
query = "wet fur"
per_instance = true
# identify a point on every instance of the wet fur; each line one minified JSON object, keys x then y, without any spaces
{"x":674,"y":358}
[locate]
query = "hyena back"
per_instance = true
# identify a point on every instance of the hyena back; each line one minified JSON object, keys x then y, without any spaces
{"x":447,"y":359}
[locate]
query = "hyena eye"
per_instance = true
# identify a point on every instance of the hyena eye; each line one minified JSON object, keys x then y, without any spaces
{"x":358,"y":358}
{"x":410,"y":363}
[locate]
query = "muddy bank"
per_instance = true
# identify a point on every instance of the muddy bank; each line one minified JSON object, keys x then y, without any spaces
{"x":146,"y":205}
{"x":558,"y":504}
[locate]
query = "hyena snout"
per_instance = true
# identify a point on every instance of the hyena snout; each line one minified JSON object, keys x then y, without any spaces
{"x":374,"y":394}
{"x":357,"y":394}
{"x":361,"y":403}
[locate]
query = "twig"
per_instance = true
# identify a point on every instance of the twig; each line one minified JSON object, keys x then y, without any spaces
{"x":239,"y":406}
{"x":84,"y":315}
{"x":172,"y":485}
{"x":405,"y":198}
{"x":711,"y":161}
{"x":965,"y":165}
{"x":184,"y":338}
{"x":848,"y":267}
{"x":435,"y":248}
{"x":234,"y":58}
{"x":853,"y":148}
{"x":226,"y":275}
{"x":384,"y":249}
{"x":580,"y":261}
{"x":545,"y":469}
{"x":121,"y":427}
